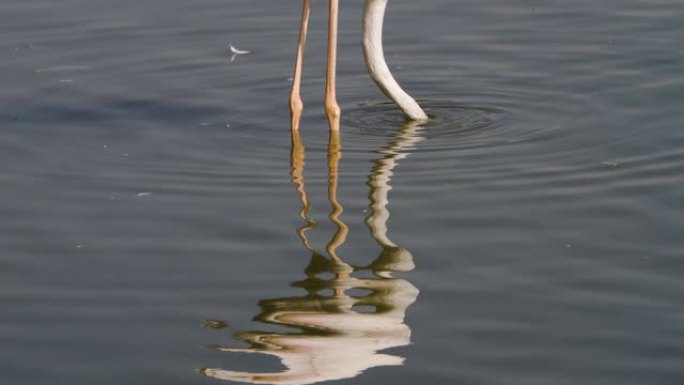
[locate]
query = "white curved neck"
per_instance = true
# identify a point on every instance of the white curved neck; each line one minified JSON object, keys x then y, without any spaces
{"x":373,"y":16}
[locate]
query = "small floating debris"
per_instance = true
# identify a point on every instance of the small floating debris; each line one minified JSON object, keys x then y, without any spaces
{"x":215,"y":324}
{"x":79,"y":246}
{"x":26,"y":46}
{"x":235,"y":51}
{"x":63,"y":69}
{"x":143,"y":194}
{"x":612,"y":164}
{"x":66,"y":80}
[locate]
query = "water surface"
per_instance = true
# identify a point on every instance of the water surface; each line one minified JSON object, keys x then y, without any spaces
{"x":156,"y":216}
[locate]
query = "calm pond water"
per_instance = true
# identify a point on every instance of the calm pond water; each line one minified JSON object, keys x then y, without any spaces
{"x":158,"y":227}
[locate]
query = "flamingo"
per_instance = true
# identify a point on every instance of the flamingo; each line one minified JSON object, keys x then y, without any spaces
{"x":373,"y":17}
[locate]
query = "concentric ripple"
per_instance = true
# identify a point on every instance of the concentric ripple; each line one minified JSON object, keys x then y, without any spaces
{"x":453,"y":125}
{"x":447,"y":118}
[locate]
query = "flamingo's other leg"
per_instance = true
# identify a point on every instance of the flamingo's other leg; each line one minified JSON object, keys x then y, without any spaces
{"x":296,"y":105}
{"x":332,"y":109}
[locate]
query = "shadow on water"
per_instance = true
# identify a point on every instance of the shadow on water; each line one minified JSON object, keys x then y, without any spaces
{"x":349,"y":313}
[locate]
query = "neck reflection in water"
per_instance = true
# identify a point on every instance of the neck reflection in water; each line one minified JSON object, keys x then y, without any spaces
{"x":338,"y":334}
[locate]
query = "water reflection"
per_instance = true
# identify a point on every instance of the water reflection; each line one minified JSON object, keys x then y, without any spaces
{"x":349,"y":313}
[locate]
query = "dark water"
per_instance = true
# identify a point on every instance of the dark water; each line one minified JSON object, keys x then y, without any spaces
{"x":150,"y":210}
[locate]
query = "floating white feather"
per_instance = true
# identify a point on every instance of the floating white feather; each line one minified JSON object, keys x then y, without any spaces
{"x":236,"y":51}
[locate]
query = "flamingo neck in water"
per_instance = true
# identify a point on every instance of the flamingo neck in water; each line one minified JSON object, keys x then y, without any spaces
{"x":373,"y":16}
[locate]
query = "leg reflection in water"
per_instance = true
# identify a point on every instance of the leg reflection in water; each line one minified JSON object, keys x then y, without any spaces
{"x":336,"y":334}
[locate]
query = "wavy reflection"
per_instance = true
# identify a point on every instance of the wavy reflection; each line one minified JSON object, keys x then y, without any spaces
{"x":340,"y":325}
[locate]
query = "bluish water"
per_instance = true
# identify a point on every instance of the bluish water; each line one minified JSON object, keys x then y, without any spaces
{"x":153,"y":206}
